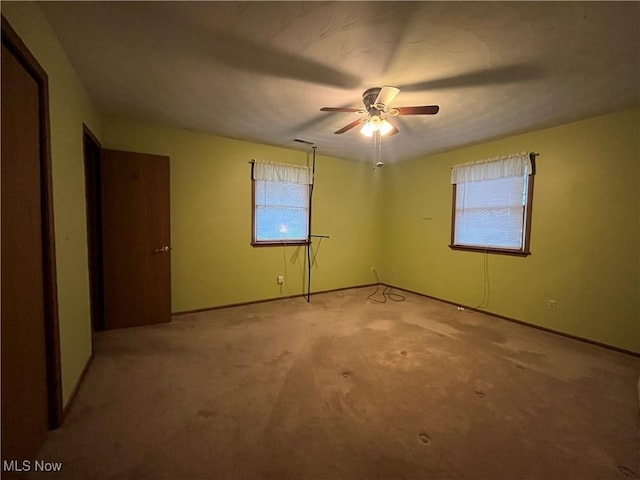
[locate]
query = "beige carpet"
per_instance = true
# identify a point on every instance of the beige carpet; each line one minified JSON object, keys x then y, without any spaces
{"x":344,"y":388}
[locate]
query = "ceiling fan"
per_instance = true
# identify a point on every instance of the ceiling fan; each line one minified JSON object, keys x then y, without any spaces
{"x":376,"y":106}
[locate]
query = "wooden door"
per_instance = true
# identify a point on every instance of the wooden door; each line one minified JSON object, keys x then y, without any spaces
{"x":136,"y":239}
{"x":30,"y":401}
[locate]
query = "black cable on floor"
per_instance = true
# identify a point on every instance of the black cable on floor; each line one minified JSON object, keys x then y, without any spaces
{"x":386,"y":293}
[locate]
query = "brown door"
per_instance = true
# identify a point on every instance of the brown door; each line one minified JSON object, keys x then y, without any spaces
{"x":25,"y":403}
{"x":136,"y":239}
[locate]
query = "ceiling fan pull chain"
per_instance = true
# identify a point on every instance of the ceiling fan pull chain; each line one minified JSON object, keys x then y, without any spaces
{"x":376,"y":142}
{"x":374,"y":138}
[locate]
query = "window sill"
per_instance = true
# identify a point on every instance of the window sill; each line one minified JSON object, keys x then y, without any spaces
{"x":499,"y":251}
{"x":278,"y":243}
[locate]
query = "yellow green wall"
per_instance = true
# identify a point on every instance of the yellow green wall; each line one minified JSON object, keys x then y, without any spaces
{"x":212,"y":260}
{"x":70,"y":106}
{"x":585,"y":236}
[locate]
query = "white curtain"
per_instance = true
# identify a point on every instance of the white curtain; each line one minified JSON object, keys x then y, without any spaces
{"x":515,"y":165}
{"x":281,"y":172}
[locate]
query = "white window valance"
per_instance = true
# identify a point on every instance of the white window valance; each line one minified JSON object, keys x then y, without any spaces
{"x":281,"y":172}
{"x":514,"y":165}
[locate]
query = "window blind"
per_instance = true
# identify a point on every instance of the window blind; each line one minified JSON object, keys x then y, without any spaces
{"x":491,"y":213}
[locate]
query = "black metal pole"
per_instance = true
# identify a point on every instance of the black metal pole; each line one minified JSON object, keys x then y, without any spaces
{"x":313,"y":180}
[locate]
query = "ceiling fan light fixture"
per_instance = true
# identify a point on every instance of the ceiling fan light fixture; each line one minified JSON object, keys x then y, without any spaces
{"x":367,"y":129}
{"x":376,"y":124}
{"x":385,"y":127}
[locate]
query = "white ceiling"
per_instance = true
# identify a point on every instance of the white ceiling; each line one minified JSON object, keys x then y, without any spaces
{"x":261,"y":71}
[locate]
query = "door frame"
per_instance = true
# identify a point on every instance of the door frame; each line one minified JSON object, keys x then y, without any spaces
{"x":93,"y":196}
{"x":16,"y":46}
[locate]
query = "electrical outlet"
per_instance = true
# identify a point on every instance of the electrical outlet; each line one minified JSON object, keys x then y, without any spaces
{"x":280,"y":279}
{"x":551,"y":305}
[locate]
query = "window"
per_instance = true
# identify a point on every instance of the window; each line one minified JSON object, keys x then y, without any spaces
{"x":492,"y":205}
{"x":280,"y":203}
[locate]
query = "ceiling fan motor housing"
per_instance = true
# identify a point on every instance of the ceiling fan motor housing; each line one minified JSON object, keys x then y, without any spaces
{"x":369,"y":98}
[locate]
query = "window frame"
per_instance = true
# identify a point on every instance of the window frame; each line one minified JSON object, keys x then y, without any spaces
{"x":273,"y":243}
{"x":526,"y":240}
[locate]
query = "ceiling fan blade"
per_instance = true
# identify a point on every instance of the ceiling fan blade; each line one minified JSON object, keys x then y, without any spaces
{"x":386,"y":95}
{"x":355,"y":123}
{"x":340,"y":109}
{"x":421,"y":110}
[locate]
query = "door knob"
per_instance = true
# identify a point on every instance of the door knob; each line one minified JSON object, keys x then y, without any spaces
{"x":164,"y":249}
